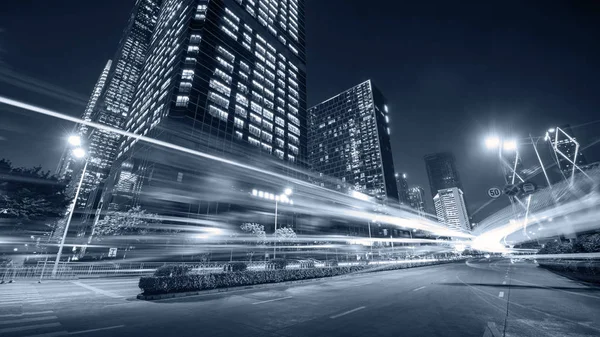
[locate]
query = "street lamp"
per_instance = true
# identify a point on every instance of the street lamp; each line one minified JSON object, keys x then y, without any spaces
{"x":78,"y":152}
{"x":283,"y":197}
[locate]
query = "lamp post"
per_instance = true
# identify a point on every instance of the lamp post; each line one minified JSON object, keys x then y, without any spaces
{"x":78,"y":152}
{"x":283,"y":197}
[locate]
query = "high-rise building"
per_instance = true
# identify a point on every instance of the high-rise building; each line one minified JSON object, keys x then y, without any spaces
{"x":66,"y":166}
{"x":220,"y":75}
{"x":442,"y":172}
{"x":450,"y":208}
{"x":349,"y":139}
{"x":566,"y":149}
{"x":112,"y":95}
{"x":416,"y":197}
{"x":403,"y":191}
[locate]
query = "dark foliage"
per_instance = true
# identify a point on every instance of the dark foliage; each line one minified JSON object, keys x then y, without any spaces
{"x":30,"y":194}
{"x":277,"y":264}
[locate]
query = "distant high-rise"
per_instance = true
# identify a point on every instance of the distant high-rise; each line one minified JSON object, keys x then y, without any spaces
{"x":442,"y":172}
{"x":403,"y":191}
{"x":450,"y":208}
{"x":349,"y":139}
{"x":113,"y":94}
{"x":567,"y":149}
{"x":219,"y":75}
{"x":416,"y":197}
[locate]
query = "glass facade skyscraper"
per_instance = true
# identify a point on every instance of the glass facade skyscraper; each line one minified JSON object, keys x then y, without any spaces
{"x":220,"y":75}
{"x":442,"y":172}
{"x":349,"y":139}
{"x":112,"y":95}
{"x":451,"y":210}
{"x":566,"y":149}
{"x":416,"y":196}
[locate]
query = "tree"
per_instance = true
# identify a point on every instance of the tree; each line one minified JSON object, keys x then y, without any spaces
{"x":30,"y":195}
{"x":257,"y":230}
{"x":133,"y":222}
{"x":284,"y":233}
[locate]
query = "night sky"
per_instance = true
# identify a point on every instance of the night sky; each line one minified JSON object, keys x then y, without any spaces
{"x":453,"y":72}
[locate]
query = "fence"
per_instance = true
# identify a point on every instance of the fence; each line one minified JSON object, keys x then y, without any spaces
{"x":74,"y":270}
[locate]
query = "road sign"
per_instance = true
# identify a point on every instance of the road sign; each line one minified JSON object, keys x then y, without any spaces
{"x":112,"y":252}
{"x":494,"y":192}
{"x":528,"y":187}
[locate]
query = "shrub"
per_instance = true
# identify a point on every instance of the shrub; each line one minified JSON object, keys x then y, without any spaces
{"x":163,"y":285}
{"x":172,"y":270}
{"x":235,"y":266}
{"x":277,"y":264}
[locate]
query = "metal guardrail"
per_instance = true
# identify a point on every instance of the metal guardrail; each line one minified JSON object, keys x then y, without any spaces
{"x":74,"y":270}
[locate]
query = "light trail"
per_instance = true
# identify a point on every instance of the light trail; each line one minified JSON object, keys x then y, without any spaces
{"x":397,"y":217}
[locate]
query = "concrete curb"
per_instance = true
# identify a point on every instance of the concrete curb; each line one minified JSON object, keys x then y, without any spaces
{"x":268,"y":285}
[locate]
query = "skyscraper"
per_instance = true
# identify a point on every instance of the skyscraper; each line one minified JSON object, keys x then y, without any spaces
{"x":416,"y":197}
{"x":566,"y":149}
{"x":442,"y":173}
{"x":66,"y":166}
{"x":112,"y":95}
{"x":219,"y":75}
{"x":450,"y":208}
{"x":402,"y":184}
{"x":349,"y":139}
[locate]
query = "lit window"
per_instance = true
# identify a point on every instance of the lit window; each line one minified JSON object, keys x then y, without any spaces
{"x":254,"y":130}
{"x":241,"y":99}
{"x":279,"y":131}
{"x":279,"y":153}
{"x":238,"y":123}
{"x":220,"y":100}
{"x":188,"y":74}
{"x":267,"y":114}
{"x":222,"y":75}
{"x":280,"y":143}
{"x":185,"y":87}
{"x":182,"y":101}
{"x":253,"y":141}
{"x":239,"y":135}
{"x":221,"y":114}
{"x":220,"y":87}
{"x":255,"y":107}
{"x":240,"y":111}
{"x":228,"y":32}
{"x":293,"y":129}
{"x":228,"y":56}
{"x":242,"y":88}
{"x":279,"y":121}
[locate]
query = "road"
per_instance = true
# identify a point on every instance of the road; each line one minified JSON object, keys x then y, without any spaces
{"x":459,"y":299}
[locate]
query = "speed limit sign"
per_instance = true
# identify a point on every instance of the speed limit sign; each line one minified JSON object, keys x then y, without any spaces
{"x":494,"y":192}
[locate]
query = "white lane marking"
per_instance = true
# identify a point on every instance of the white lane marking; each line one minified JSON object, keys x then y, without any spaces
{"x":24,"y":301}
{"x":273,"y":300}
{"x":25,"y":320}
{"x":501,"y":294}
{"x":503,"y":282}
{"x":347,"y":312}
{"x":99,"y":329}
{"x":492,"y":331}
{"x":50,"y":334}
{"x":29,"y":327}
{"x":97,"y":290}
{"x":419,"y":288}
{"x":28,"y":314}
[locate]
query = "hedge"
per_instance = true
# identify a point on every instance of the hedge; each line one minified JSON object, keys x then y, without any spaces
{"x":235,"y":266}
{"x":584,"y":270}
{"x":153,"y":285}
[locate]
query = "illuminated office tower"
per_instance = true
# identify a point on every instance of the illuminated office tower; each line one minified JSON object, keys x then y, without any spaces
{"x":451,"y":210}
{"x":567,"y":150}
{"x":112,"y":96}
{"x":220,"y":75}
{"x":349,"y":139}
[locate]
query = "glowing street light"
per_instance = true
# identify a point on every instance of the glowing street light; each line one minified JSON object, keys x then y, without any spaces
{"x":74,"y":140}
{"x":509,"y":145}
{"x":79,"y":153}
{"x":492,"y":142}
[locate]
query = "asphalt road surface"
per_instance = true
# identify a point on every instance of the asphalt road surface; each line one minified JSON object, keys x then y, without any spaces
{"x":476,"y":298}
